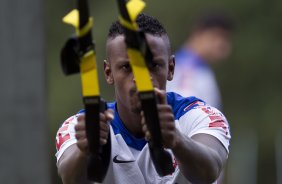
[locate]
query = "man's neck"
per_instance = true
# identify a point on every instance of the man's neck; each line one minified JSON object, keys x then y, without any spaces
{"x":131,"y":120}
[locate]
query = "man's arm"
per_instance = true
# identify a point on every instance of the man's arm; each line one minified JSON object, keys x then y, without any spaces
{"x":72,"y":165}
{"x":200,"y":158}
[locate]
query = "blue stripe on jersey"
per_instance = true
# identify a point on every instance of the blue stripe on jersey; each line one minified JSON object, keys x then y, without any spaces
{"x":178,"y":104}
{"x":119,"y":128}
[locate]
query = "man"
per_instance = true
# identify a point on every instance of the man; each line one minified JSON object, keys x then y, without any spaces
{"x":208,"y":44}
{"x":196,"y":135}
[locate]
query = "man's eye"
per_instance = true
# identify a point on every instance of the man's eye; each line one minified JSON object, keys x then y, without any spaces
{"x":154,"y":65}
{"x":126,"y":67}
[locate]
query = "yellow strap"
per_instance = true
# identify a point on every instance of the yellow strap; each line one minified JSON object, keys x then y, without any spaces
{"x":128,"y":25}
{"x":137,"y":62}
{"x":140,"y":71}
{"x":72,"y":18}
{"x":88,"y":67}
{"x":89,"y":76}
{"x":134,"y":8}
{"x":83,"y":31}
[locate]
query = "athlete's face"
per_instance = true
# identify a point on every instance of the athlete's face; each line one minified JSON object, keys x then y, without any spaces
{"x":119,"y":73}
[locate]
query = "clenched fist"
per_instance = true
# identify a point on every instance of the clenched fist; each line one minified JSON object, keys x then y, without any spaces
{"x":80,"y":132}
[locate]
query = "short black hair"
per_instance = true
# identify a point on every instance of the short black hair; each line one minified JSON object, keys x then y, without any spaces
{"x":212,"y":20}
{"x":145,"y":22}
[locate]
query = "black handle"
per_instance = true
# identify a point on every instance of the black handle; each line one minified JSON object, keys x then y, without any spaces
{"x":161,"y":158}
{"x":99,"y":157}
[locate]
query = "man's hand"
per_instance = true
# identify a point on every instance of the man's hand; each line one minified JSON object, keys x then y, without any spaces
{"x":170,"y":134}
{"x":80,"y":132}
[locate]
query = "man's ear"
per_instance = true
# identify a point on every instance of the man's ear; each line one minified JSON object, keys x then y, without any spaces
{"x":171,"y":66}
{"x":108,"y":72}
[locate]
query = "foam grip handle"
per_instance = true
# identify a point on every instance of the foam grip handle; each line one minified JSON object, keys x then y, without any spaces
{"x":161,"y":158}
{"x":99,"y":157}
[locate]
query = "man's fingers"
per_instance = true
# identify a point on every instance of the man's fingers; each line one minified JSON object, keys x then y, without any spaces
{"x":146,"y":131}
{"x":80,"y":129}
{"x":82,"y":145}
{"x":80,"y":126}
{"x":147,"y":136}
{"x":104,"y":126}
{"x":161,"y":96}
{"x":109,"y":114}
{"x":80,"y":135}
{"x":104,"y":135}
{"x":103,"y":141}
{"x":81,"y":117}
{"x":144,"y":128}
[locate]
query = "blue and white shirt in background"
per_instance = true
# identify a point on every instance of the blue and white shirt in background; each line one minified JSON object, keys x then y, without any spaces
{"x":193,"y":77}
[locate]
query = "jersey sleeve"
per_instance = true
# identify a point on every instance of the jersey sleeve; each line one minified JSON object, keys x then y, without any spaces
{"x":65,"y":136}
{"x":208,"y":120}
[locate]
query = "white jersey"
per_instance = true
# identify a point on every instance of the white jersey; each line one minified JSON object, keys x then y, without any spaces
{"x":131,"y":161}
{"x":193,"y":77}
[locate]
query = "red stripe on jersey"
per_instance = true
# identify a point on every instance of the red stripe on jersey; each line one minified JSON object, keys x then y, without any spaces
{"x":219,"y":124}
{"x":215,"y":118}
{"x":61,"y":136}
{"x":64,"y":128}
{"x":61,"y":139}
{"x":207,"y":111}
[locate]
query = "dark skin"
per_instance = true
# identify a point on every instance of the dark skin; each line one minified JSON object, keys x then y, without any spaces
{"x":200,"y":158}
{"x":118,"y":72}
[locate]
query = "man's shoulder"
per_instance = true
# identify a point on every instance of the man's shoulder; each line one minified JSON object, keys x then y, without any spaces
{"x":181,"y":105}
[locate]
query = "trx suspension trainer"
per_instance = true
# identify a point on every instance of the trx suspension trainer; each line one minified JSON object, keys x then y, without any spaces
{"x":78,"y":55}
{"x":140,"y":57}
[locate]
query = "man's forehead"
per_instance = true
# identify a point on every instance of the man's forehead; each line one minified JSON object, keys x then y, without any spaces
{"x":113,"y":40}
{"x":115,"y":46}
{"x":156,"y":43}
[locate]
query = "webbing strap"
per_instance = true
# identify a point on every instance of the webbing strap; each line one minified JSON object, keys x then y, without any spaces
{"x":88,"y":69}
{"x":79,"y":55}
{"x":89,"y":76}
{"x":138,"y":50}
{"x":140,"y":71}
{"x":72,"y":18}
{"x":137,"y":62}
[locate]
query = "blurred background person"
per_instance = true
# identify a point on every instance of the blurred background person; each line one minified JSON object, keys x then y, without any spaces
{"x":208,"y":43}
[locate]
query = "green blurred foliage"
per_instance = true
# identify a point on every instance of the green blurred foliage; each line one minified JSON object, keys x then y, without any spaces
{"x":250,"y":80}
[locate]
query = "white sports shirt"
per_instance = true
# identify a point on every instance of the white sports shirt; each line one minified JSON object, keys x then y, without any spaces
{"x":131,"y":162}
{"x":193,"y":77}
